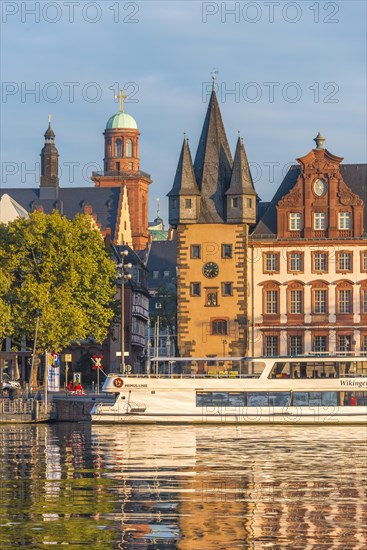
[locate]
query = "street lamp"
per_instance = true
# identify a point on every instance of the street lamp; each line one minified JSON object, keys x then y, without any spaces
{"x":124,"y":276}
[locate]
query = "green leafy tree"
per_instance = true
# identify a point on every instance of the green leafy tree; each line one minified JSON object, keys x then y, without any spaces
{"x":59,"y":270}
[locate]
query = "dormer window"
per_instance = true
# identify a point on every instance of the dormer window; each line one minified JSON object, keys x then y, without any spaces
{"x":249,"y":203}
{"x":319,"y":221}
{"x":295,"y":221}
{"x":234,"y":202}
{"x":174,"y":203}
{"x":187,"y":203}
{"x":344,"y":220}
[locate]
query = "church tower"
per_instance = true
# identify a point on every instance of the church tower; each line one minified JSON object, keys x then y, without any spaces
{"x":49,"y":160}
{"x":212,"y":203}
{"x":122,"y":169}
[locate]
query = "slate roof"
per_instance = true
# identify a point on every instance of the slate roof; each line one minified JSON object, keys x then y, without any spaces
{"x":354,"y":175}
{"x":185,"y":180}
{"x":71,"y":201}
{"x":213,"y":165}
{"x":241,"y":179}
{"x":162,"y":257}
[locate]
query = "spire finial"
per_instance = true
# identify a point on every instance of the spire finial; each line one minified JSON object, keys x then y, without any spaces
{"x":49,"y":119}
{"x":121,"y":97}
{"x":319,"y":140}
{"x":185,"y":138}
{"x":158,"y":207}
{"x":214,"y":75}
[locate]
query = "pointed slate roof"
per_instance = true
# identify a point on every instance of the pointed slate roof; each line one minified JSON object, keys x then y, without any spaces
{"x":185,"y":180}
{"x":213,"y":165}
{"x":241,"y":179}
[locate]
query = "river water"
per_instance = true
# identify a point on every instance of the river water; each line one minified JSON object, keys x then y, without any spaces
{"x":194,"y":487}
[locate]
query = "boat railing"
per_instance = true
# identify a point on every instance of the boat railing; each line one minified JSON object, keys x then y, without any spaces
{"x":193,"y":375}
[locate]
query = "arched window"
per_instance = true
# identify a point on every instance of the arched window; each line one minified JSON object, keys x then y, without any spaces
{"x":108,"y":147}
{"x":129,"y":148}
{"x":344,"y":297}
{"x":271,"y":298}
{"x":219,"y":326}
{"x":320,"y":297}
{"x":295,"y":298}
{"x":118,"y":148}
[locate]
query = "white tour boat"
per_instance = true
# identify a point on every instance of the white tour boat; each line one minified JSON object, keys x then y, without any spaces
{"x":313,"y":389}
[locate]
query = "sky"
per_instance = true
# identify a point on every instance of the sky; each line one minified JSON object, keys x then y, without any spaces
{"x":285,"y":71}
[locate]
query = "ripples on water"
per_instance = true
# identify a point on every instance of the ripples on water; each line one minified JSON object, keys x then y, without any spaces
{"x":194,"y":487}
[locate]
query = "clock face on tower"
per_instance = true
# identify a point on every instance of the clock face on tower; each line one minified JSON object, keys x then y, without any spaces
{"x":210,"y":270}
{"x":319,"y":187}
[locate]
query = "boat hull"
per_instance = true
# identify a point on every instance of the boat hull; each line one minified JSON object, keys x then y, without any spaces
{"x":251,"y":397}
{"x":292,"y":416}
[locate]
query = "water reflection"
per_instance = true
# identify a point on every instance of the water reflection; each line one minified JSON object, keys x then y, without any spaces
{"x":183,"y":487}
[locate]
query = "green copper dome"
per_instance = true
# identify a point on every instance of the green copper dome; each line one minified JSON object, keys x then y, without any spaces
{"x":121,"y":120}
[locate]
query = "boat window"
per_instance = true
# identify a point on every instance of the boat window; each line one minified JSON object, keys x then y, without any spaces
{"x":236,"y":399}
{"x":329,"y":398}
{"x":221,"y":399}
{"x":203,"y":399}
{"x":312,"y":369}
{"x":257,"y":399}
{"x":279,"y":399}
{"x":315,"y":398}
{"x":300,"y":399}
{"x":353,"y":368}
{"x":349,"y":398}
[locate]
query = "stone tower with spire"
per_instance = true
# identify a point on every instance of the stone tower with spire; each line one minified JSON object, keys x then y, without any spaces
{"x":212,"y":203}
{"x":122,"y":169}
{"x":49,"y":160}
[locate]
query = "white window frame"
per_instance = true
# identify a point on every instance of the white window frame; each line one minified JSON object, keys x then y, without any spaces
{"x":271,"y":302}
{"x":344,"y":261}
{"x":295,"y":261}
{"x":295,"y":221}
{"x":295,"y":344}
{"x":345,"y":300}
{"x":344,"y":342}
{"x":271,"y":347}
{"x":320,"y":261}
{"x":319,"y":221}
{"x":344,"y":220}
{"x":271,"y":261}
{"x":295,"y":299}
{"x":320,"y":301}
{"x":320,"y":343}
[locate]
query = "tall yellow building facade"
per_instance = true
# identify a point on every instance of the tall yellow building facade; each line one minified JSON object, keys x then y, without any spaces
{"x":212,"y":204}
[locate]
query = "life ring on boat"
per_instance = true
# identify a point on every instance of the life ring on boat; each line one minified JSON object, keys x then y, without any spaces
{"x":118,"y":382}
